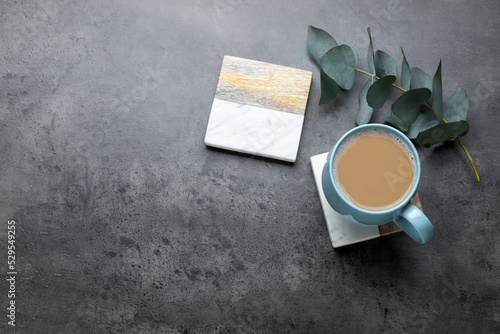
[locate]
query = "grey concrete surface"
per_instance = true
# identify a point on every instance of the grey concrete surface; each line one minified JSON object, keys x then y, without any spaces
{"x":127,"y":223}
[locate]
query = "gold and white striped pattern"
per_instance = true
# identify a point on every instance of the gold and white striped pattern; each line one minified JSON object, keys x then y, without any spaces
{"x":263,"y":85}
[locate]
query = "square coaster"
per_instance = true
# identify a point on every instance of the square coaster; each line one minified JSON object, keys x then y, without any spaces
{"x":343,"y":232}
{"x":259,"y":108}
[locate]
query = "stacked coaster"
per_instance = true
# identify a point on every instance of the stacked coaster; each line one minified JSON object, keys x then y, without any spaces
{"x":343,"y":232}
{"x":258,"y":108}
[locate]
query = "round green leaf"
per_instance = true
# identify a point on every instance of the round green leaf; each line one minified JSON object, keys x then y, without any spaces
{"x":399,"y":123}
{"x":437,"y":94}
{"x":456,"y":106}
{"x":379,"y":92}
{"x":339,"y":64}
{"x":364,"y":110}
{"x":319,"y":42}
{"x":405,"y":73}
{"x":390,"y":121}
{"x":442,"y":132}
{"x":385,"y":65}
{"x":420,"y":79}
{"x":424,"y":121}
{"x":356,"y":56}
{"x":406,"y":108}
{"x":329,"y":88}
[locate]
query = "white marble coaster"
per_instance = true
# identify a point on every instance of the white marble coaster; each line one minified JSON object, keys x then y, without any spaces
{"x":259,"y":108}
{"x":255,"y":130}
{"x":342,"y":232}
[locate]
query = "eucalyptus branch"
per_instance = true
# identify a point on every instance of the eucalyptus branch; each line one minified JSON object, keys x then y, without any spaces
{"x":432,"y":109}
{"x":427,"y":125}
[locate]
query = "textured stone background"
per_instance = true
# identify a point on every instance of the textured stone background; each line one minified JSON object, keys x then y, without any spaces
{"x":127,"y":223}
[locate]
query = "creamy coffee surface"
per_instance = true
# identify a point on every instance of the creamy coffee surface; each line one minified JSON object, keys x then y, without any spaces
{"x":374,"y":169}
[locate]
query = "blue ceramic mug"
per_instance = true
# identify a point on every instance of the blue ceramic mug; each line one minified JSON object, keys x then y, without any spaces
{"x":406,"y":215}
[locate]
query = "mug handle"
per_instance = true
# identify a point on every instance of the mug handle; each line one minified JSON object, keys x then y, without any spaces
{"x":415,"y":223}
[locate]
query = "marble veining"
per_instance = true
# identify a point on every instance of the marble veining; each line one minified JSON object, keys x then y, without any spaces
{"x":254,"y":130}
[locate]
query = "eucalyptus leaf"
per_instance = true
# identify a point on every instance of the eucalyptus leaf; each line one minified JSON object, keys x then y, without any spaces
{"x":339,"y":63}
{"x":371,"y":57}
{"x":456,"y":106}
{"x":399,"y":123}
{"x":319,"y":42}
{"x":384,"y":64}
{"x":424,"y":121}
{"x":364,"y":110}
{"x":405,"y":73}
{"x":437,"y":94}
{"x":406,"y":108}
{"x":329,"y":88}
{"x":390,"y":121}
{"x":420,"y":79}
{"x":356,"y":55}
{"x":379,"y":92}
{"x":442,"y":132}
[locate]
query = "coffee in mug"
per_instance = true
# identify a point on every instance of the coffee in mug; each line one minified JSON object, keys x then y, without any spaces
{"x":374,"y":169}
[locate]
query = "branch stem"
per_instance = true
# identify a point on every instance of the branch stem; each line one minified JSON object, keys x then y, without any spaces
{"x":364,"y":72}
{"x":470,"y":159}
{"x":373,"y":75}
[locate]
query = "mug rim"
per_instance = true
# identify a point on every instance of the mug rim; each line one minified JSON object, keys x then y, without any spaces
{"x":402,"y":136}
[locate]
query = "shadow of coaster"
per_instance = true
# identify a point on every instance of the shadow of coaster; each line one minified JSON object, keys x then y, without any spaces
{"x":341,"y":231}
